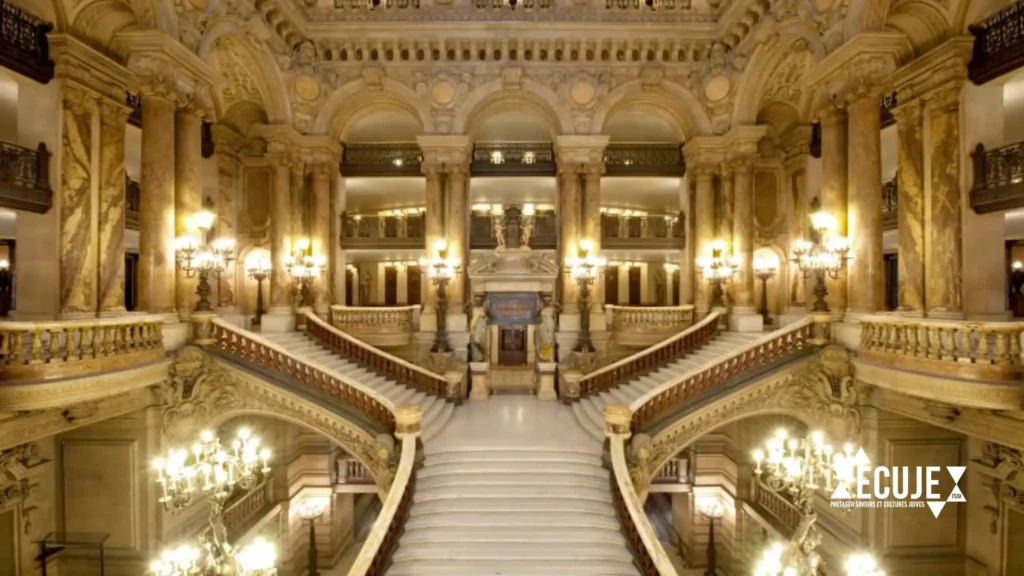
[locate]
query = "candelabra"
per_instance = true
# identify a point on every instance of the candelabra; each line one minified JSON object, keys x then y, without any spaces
{"x":441,"y":269}
{"x":765,"y":270}
{"x":311,"y":510}
{"x":584,"y":267}
{"x":258,"y":268}
{"x":778,"y":560}
{"x":304,"y":267}
{"x":825,"y":257}
{"x":712,"y":509}
{"x":203,"y":258}
{"x":718,"y":268}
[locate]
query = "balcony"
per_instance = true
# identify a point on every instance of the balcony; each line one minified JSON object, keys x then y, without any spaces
{"x":513,"y":159}
{"x":643,"y":326}
{"x":998,"y":178}
{"x":25,"y":177}
{"x":623,"y":229}
{"x":644,"y":160}
{"x":23,"y":44}
{"x":402,"y":230}
{"x":890,"y":204}
{"x":998,"y":45}
{"x":385,"y":159}
{"x":383,"y":327}
{"x":483,"y":228}
{"x":132,"y":201}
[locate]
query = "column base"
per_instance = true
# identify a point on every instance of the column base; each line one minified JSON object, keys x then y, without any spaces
{"x":946,"y":314}
{"x":855,"y":316}
{"x":479,"y":391}
{"x":908,"y":313}
{"x":745,"y":321}
{"x":114,"y":312}
{"x":546,"y":381}
{"x":175,"y":334}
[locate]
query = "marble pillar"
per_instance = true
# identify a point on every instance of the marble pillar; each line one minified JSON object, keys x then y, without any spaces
{"x":280,"y":242}
{"x":834,"y":166}
{"x":323,"y":174}
{"x":299,"y":222}
{"x":340,"y":263}
{"x":686,"y":254}
{"x":113,"y":116}
{"x":458,"y":232}
{"x":188,"y":195}
{"x":590,"y":223}
{"x":943,"y":260}
{"x":433,"y":231}
{"x":725,"y":206}
{"x":910,"y":158}
{"x":704,"y":225}
{"x":156,"y":209}
{"x":796,"y":172}
{"x":744,"y":317}
{"x":864,"y":207}
{"x":78,"y":256}
{"x":569,"y":215}
{"x":229,"y":170}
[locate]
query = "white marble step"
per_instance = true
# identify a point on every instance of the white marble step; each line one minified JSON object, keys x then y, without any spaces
{"x":511,"y":454}
{"x":499,"y":481}
{"x":513,"y":493}
{"x":520,"y":534}
{"x":502,"y":506}
{"x":513,"y":551}
{"x":515,"y":519}
{"x":524,"y":468}
{"x":559,"y":567}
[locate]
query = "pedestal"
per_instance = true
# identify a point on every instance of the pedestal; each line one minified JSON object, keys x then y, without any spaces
{"x":569,"y":385}
{"x":745,"y":322}
{"x":546,"y":381}
{"x":455,"y":390}
{"x":278,"y":321}
{"x":479,"y":390}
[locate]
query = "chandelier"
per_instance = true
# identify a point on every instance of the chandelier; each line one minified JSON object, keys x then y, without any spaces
{"x":203,"y":258}
{"x":825,"y":257}
{"x":305,"y":267}
{"x":718,"y":268}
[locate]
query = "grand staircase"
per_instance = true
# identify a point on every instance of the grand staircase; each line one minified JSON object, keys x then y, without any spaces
{"x":590,"y":410}
{"x":436,"y":411}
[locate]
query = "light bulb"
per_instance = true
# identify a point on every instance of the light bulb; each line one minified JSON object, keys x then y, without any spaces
{"x":203,"y":220}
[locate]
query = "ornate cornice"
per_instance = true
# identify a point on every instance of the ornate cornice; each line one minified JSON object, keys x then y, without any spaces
{"x":938,"y":68}
{"x":452,"y":151}
{"x":153,"y":54}
{"x":583,"y":150}
{"x":81,"y":65}
{"x":867,"y":60}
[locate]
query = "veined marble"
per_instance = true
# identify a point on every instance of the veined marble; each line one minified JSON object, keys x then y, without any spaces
{"x":228,"y":170}
{"x":911,"y":207}
{"x":111,"y":209}
{"x":834,"y":180}
{"x":77,"y":249}
{"x":865,"y":206}
{"x":280,"y":203}
{"x":943,"y":258}
{"x":743,"y":234}
{"x":188,"y":195}
{"x":570,"y":211}
{"x":156,"y":212}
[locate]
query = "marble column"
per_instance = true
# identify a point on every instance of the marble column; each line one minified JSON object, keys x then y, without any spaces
{"x":943,"y":260}
{"x":340,"y":264}
{"x":156,"y":210}
{"x":834,"y":168}
{"x":796,"y":172}
{"x":704,"y":225}
{"x":864,"y":207}
{"x":687,"y":253}
{"x":458,"y":233}
{"x":300,"y":226}
{"x":591,"y":230}
{"x":744,"y":317}
{"x":113,"y":116}
{"x":188,"y":194}
{"x":910,"y":214}
{"x":433,"y":231}
{"x":229,"y":171}
{"x":726,"y":203}
{"x":78,"y":258}
{"x":323,"y":173}
{"x":569,"y":215}
{"x":280,"y":228}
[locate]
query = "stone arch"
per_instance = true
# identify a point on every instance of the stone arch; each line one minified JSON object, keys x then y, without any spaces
{"x":968,"y":12}
{"x":494,"y":98}
{"x":765,"y":62}
{"x":865,"y":16}
{"x":923,"y":23}
{"x":673,"y":103}
{"x":357,"y":99}
{"x":98,"y":21}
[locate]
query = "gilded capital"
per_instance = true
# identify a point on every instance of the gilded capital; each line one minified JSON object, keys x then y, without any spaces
{"x":113,"y":114}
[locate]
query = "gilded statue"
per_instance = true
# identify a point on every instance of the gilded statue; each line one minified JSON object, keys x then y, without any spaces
{"x":546,"y":330}
{"x":478,"y":330}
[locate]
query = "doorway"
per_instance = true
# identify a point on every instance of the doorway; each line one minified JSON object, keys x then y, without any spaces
{"x":390,"y":286}
{"x":635,"y":297}
{"x":611,"y":285}
{"x":512,"y":345}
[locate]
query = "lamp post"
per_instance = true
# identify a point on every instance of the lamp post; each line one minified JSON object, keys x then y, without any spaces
{"x":441,"y":269}
{"x":257,"y":267}
{"x":825,"y":257}
{"x":203,"y":258}
{"x":311,"y":510}
{"x":305,"y":267}
{"x":718,"y":268}
{"x":765,"y":270}
{"x":584,"y":267}
{"x":712,"y":509}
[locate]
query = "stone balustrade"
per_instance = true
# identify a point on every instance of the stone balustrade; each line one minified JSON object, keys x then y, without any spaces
{"x":239,"y":513}
{"x":776,"y":506}
{"x":643,"y":326}
{"x":353,"y":472}
{"x":968,"y":350}
{"x":383,"y":327}
{"x":49,"y":350}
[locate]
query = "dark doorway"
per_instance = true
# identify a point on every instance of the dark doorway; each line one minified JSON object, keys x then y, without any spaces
{"x":350,"y":286}
{"x":892,"y":281}
{"x":611,"y":285}
{"x":131,"y":281}
{"x":413,"y":286}
{"x":390,"y":286}
{"x":512,"y":345}
{"x":635,"y":297}
{"x":675,"y":287}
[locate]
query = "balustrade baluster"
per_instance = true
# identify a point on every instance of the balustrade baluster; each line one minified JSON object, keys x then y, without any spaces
{"x":37,"y":346}
{"x":56,"y":352}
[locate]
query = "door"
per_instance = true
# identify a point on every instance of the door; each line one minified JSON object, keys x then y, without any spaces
{"x":892,"y":288}
{"x":415,"y":292}
{"x":675,"y":287}
{"x":390,"y":286}
{"x":635,"y":298}
{"x":611,"y":285}
{"x":512,"y":346}
{"x":131,"y":281}
{"x":350,"y":286}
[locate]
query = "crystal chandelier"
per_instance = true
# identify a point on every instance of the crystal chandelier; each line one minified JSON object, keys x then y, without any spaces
{"x":305,"y":267}
{"x":826,"y":257}
{"x":203,"y":258}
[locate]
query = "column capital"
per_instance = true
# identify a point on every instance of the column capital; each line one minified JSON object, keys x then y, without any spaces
{"x":113,"y":114}
{"x":831,"y":114}
{"x":227,"y":142}
{"x":947,"y":62}
{"x":151,"y":53}
{"x":572,"y":149}
{"x":909,"y":112}
{"x":742,"y":165}
{"x":945,"y":98}
{"x":445,"y":151}
{"x":726,"y":170}
{"x":594,"y":169}
{"x":867,"y":59}
{"x":78,"y":63}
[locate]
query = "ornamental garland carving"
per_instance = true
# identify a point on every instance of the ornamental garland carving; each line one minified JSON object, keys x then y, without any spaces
{"x":14,"y":474}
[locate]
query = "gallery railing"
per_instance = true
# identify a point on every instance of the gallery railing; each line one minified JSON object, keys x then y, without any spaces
{"x":998,"y":45}
{"x":998,"y":178}
{"x":23,"y":44}
{"x":380,"y":326}
{"x":404,"y":231}
{"x":890,"y":204}
{"x":132,"y":201}
{"x":647,"y":325}
{"x":513,"y":159}
{"x":25,"y":178}
{"x":384,"y":159}
{"x":620,"y":231}
{"x":544,"y":237}
{"x":635,"y":159}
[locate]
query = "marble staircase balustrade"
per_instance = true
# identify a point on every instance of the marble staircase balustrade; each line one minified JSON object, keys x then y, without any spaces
{"x":382,"y":327}
{"x":643,"y":326}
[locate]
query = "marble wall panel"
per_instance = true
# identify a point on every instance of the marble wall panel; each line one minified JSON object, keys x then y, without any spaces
{"x":911,"y":210}
{"x":111,"y":211}
{"x":257,"y":198}
{"x":943,"y":259}
{"x":93,"y":470}
{"x":77,"y":249}
{"x":913,"y":529}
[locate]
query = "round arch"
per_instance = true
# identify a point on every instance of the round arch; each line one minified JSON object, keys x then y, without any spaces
{"x":764,"y":63}
{"x":923,"y":23}
{"x":357,"y":100}
{"x":493,"y":98}
{"x":673,"y":104}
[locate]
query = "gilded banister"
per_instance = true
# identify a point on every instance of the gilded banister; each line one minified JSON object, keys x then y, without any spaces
{"x":48,"y":350}
{"x":650,"y":359}
{"x":378,"y":360}
{"x":383,"y":327}
{"x":968,"y":350}
{"x":262,"y":353}
{"x":648,"y":325}
{"x":802,"y":336}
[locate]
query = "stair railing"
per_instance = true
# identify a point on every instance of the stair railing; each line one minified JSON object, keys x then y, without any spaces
{"x":380,"y":361}
{"x":267,"y":355}
{"x":649,"y":359}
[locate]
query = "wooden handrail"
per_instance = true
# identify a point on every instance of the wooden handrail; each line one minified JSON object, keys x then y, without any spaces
{"x":263,"y":353}
{"x":762,"y":352}
{"x":651,"y":358}
{"x":375,"y":359}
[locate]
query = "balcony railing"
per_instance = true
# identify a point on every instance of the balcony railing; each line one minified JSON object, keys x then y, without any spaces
{"x":641,"y":5}
{"x":361,"y":5}
{"x":25,"y":177}
{"x":406,"y":231}
{"x":385,"y":159}
{"x":619,"y":231}
{"x":383,"y":327}
{"x":132,"y":201}
{"x":352,"y":471}
{"x":239,"y":514}
{"x":998,"y":178}
{"x":544,"y":237}
{"x":525,"y":4}
{"x":23,"y":44}
{"x":631,"y":159}
{"x":890,"y":204}
{"x":998,"y":45}
{"x":643,"y":326}
{"x":513,"y":159}
{"x":777,"y":507}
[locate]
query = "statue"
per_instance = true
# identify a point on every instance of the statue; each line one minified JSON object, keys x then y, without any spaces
{"x":546,"y":330}
{"x":478,"y":331}
{"x":499,"y":230}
